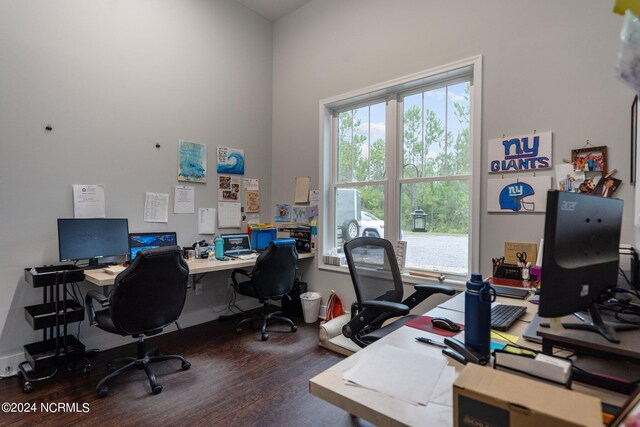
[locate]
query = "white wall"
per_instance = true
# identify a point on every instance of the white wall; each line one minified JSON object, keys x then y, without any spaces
{"x":548,"y":65}
{"x":113,"y":77}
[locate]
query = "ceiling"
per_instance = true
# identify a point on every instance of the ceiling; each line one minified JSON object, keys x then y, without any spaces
{"x":273,"y":9}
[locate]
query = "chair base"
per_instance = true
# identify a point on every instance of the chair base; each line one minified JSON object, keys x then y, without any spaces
{"x":143,"y":361}
{"x":266,"y":317}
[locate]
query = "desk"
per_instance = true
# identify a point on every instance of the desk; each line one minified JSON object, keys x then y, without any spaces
{"x":196,"y":266}
{"x":382,"y":410}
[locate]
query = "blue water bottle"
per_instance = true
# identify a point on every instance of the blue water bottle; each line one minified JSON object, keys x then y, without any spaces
{"x":219,"y":248}
{"x":477,"y":314}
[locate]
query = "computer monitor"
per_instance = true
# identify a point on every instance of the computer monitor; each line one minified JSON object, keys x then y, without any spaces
{"x":141,"y":241}
{"x":580,"y":257}
{"x":92,"y":238}
{"x":236,"y":242}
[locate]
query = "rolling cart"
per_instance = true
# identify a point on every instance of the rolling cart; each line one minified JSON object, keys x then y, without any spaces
{"x":56,"y":312}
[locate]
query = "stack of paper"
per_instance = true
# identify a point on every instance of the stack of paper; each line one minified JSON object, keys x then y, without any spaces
{"x":402,"y":374}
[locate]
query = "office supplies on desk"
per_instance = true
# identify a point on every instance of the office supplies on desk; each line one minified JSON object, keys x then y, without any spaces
{"x":261,"y":235}
{"x":515,"y":252}
{"x":430,"y":341}
{"x":114,"y":269}
{"x":444,"y":323}
{"x":503,"y":316}
{"x":510,"y":292}
{"x":507,"y":271}
{"x":467,"y":353}
{"x":537,"y":365}
{"x":392,"y":371}
{"x":424,"y":324}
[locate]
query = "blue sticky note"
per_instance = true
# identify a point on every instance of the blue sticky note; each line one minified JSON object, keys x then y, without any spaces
{"x":497,"y":345}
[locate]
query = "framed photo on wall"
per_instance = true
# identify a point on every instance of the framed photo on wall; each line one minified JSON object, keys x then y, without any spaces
{"x":590,"y":159}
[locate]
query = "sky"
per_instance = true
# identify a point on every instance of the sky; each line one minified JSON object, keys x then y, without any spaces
{"x":438,"y":100}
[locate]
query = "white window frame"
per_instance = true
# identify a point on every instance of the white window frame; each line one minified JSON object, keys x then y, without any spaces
{"x":390,"y":90}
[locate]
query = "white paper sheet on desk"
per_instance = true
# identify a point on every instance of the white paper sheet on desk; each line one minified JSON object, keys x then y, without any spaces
{"x":402,"y":374}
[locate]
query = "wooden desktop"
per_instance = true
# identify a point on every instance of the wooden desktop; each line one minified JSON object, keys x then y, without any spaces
{"x":196,"y":266}
{"x":383,"y":410}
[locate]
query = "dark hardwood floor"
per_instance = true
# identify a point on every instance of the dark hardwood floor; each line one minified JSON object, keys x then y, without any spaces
{"x":235,"y":380}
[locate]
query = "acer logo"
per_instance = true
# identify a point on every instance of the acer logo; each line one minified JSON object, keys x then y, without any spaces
{"x":568,"y":206}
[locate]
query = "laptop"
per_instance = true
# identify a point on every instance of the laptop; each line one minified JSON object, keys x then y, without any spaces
{"x":236,"y":245}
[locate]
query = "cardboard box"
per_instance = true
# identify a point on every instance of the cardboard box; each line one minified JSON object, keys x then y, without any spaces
{"x":486,"y":397}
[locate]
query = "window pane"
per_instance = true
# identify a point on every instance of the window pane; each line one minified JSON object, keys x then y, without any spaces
{"x":435,"y":223}
{"x":361,"y":144}
{"x":436,"y":132}
{"x":358,"y":212}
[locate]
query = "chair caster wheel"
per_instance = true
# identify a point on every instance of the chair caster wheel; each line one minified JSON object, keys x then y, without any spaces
{"x":157,"y":389}
{"x":238,"y":331}
{"x":103,"y":391}
{"x":186,"y":366}
{"x":19,"y":374}
{"x":265,"y":337}
{"x":28,"y":388}
{"x":294,"y":328}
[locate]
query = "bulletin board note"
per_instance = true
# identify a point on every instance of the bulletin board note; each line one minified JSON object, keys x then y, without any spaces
{"x":206,"y":221}
{"x":229,"y":215}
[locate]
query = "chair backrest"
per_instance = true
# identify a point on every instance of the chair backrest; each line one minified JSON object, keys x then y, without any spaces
{"x":374,"y":270}
{"x":150,"y":294}
{"x":275,"y":269}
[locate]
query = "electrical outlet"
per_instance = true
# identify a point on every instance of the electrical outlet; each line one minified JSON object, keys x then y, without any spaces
{"x":7,"y":370}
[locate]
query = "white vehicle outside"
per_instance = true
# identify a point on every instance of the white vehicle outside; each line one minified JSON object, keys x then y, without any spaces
{"x":370,"y":225}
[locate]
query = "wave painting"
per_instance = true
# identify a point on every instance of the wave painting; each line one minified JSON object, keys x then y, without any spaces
{"x":230,"y":160}
{"x":192,"y":162}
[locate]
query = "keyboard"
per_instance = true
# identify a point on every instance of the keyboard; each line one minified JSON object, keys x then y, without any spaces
{"x":503,"y":316}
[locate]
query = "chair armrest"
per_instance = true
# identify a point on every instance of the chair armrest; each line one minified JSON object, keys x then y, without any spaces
{"x":435,"y":289}
{"x":98,"y":297}
{"x":239,"y":271}
{"x":396,"y":308}
{"x":371,"y":316}
{"x":424,"y":291}
{"x":91,"y":296}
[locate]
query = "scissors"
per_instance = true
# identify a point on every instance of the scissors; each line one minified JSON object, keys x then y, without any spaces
{"x":522,"y":257}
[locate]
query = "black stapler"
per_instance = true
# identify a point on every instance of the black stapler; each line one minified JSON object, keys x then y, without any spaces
{"x":463,"y":354}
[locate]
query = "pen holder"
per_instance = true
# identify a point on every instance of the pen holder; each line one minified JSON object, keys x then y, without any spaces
{"x":507,"y":271}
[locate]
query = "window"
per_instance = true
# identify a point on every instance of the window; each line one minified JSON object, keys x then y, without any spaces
{"x":398,"y":161}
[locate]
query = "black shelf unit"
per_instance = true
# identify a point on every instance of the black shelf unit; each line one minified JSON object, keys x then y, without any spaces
{"x":57,"y":347}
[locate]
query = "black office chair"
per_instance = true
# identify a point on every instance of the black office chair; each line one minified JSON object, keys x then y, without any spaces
{"x":378,"y":284}
{"x":146,"y":297}
{"x":271,"y":279}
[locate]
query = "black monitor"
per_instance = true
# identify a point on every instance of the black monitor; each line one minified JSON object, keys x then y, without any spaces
{"x":141,"y":241}
{"x":92,"y":238}
{"x":580,"y":257}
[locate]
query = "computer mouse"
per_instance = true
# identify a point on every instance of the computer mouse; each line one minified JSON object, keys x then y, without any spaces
{"x":444,"y":323}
